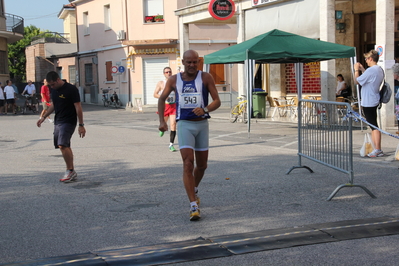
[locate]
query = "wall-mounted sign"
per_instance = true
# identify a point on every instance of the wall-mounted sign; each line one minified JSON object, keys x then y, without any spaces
{"x":264,"y":2}
{"x":114,"y":69}
{"x":381,"y":55}
{"x":380,"y":50}
{"x":221,"y":9}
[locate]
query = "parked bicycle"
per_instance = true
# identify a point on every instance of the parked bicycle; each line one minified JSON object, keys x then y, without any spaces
{"x":239,"y":111}
{"x":111,"y":99}
{"x":105,"y":97}
{"x":28,"y":106}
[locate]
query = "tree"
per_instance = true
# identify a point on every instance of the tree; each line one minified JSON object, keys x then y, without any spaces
{"x":16,"y":54}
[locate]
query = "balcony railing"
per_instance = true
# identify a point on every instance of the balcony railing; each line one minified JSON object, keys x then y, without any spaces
{"x":14,"y":23}
{"x":49,"y":37}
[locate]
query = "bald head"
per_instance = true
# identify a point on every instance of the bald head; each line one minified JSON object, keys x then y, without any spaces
{"x":190,"y":53}
{"x":190,"y":62}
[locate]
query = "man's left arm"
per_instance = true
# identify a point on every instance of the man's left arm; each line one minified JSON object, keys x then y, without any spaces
{"x":209,"y":83}
{"x":79,"y":112}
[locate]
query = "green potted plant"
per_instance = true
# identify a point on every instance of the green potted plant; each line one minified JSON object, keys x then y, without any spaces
{"x":159,"y":18}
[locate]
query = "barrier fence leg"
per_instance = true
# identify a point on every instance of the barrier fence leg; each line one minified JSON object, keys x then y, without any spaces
{"x":299,"y":166}
{"x":350,"y":185}
{"x":303,"y":166}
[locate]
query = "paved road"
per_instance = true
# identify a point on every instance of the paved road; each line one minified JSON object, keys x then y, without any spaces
{"x":130,"y":192}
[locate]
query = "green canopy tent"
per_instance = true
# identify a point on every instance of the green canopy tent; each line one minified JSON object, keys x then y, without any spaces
{"x":278,"y":47}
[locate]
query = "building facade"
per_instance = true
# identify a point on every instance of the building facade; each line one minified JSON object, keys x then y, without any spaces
{"x":124,"y":46}
{"x":11,"y":30}
{"x":362,"y":24}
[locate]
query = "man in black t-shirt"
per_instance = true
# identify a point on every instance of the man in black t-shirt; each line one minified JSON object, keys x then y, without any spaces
{"x":68,"y":110}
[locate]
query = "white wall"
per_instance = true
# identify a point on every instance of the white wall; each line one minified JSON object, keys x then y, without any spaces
{"x":298,"y":16}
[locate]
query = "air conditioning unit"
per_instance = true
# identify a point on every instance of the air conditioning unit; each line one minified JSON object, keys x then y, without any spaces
{"x":121,"y":35}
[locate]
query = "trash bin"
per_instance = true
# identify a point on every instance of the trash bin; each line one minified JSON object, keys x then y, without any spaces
{"x":259,"y":104}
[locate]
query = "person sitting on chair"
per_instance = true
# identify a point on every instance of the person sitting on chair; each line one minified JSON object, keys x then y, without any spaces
{"x":341,"y":86}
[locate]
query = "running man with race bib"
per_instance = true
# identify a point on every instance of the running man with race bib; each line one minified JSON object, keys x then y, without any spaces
{"x":192,"y":88}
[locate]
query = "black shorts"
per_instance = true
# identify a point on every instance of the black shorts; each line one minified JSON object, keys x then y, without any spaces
{"x":10,"y":101}
{"x":1,"y":103}
{"x":370,"y":113}
{"x":63,"y":134}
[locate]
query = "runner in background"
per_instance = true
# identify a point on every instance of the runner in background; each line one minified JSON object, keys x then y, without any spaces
{"x":170,"y":107}
{"x":46,"y":101}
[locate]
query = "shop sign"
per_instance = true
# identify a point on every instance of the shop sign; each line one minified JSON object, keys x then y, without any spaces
{"x":221,"y":9}
{"x":264,"y":2}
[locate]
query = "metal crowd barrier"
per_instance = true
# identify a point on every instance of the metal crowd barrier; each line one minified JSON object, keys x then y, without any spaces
{"x":325,"y":137}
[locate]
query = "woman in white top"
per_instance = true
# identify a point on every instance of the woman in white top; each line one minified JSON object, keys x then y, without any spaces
{"x":370,"y":81}
{"x":341,"y":85}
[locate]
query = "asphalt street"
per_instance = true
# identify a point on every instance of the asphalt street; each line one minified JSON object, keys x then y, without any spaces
{"x":130,"y":193}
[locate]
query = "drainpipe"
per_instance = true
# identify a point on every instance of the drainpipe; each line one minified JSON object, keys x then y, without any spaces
{"x":77,"y":53}
{"x":127,"y":38}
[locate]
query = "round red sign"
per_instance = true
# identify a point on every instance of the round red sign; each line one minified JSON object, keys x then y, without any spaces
{"x":114,"y":69}
{"x":221,"y":9}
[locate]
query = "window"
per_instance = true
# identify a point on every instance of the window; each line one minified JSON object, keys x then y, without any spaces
{"x":108,"y":69}
{"x":72,"y":74}
{"x":88,"y":73}
{"x":3,"y":62}
{"x":152,"y":8}
{"x":86,"y":23}
{"x":107,"y":17}
{"x":1,"y":8}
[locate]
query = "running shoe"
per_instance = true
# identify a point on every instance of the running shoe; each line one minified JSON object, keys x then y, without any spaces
{"x":195,"y":213}
{"x":172,"y":148}
{"x":375,"y":153}
{"x":70,"y":176}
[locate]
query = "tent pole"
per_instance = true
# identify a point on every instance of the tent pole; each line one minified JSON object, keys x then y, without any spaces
{"x":249,"y":64}
{"x":230,"y":85}
{"x":299,"y":79}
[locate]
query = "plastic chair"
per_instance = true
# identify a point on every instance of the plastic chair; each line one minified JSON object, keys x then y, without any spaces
{"x":282,"y":108}
{"x":341,"y":109}
{"x":271,"y":105}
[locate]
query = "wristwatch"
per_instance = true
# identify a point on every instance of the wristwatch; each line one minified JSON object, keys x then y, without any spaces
{"x":81,"y":125}
{"x":206,"y":110}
